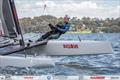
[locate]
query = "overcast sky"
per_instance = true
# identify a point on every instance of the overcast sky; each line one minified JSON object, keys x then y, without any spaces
{"x":78,"y":8}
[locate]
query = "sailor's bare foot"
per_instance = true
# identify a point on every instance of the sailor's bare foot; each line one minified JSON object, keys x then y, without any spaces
{"x":30,"y":40}
{"x":28,"y":44}
{"x":40,"y":39}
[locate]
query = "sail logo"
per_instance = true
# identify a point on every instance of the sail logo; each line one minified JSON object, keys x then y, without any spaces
{"x":70,"y":46}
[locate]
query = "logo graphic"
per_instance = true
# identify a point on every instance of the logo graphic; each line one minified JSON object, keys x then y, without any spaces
{"x":97,"y":77}
{"x":28,"y":78}
{"x":48,"y":77}
{"x":70,"y":46}
{"x":2,"y":77}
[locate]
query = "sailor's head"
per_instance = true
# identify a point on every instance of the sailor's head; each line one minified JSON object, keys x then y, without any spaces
{"x":66,"y":19}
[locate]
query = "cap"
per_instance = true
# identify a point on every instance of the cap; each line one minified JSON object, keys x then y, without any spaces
{"x":67,"y":17}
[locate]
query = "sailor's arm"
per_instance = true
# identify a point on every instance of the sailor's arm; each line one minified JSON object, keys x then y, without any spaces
{"x":65,"y":29}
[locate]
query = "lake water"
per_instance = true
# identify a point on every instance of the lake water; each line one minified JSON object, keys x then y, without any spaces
{"x":105,"y":64}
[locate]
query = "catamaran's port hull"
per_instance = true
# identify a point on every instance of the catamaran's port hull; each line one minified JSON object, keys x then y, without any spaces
{"x":16,"y":61}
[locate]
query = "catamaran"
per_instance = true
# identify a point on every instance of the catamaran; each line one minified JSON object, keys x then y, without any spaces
{"x":11,"y":29}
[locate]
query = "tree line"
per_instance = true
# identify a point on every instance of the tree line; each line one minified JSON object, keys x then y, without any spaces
{"x":95,"y":25}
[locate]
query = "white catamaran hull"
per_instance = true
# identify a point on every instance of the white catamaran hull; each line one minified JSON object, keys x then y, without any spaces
{"x":54,"y":47}
{"x":25,"y":62}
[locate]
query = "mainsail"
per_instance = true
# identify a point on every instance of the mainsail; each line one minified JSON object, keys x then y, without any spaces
{"x":9,"y":20}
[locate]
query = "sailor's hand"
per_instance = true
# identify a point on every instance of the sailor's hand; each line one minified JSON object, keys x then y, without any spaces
{"x":50,"y":24}
{"x":58,"y":25}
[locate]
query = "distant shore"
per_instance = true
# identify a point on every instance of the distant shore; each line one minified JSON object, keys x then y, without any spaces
{"x":83,"y":25}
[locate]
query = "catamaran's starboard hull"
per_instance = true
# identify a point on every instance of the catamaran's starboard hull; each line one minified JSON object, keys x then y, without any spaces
{"x":76,"y":47}
{"x":55,"y":47}
{"x":26,"y":62}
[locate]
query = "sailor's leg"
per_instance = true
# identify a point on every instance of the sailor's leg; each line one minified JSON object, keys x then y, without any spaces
{"x":52,"y":27}
{"x":45,"y":36}
{"x":55,"y":36}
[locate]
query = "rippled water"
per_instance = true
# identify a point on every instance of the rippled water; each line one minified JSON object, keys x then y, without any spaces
{"x":105,"y":64}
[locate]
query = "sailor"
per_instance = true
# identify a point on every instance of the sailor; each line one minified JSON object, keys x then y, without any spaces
{"x":57,"y":30}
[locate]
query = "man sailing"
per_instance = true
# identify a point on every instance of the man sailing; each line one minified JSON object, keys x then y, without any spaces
{"x":57,"y":30}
